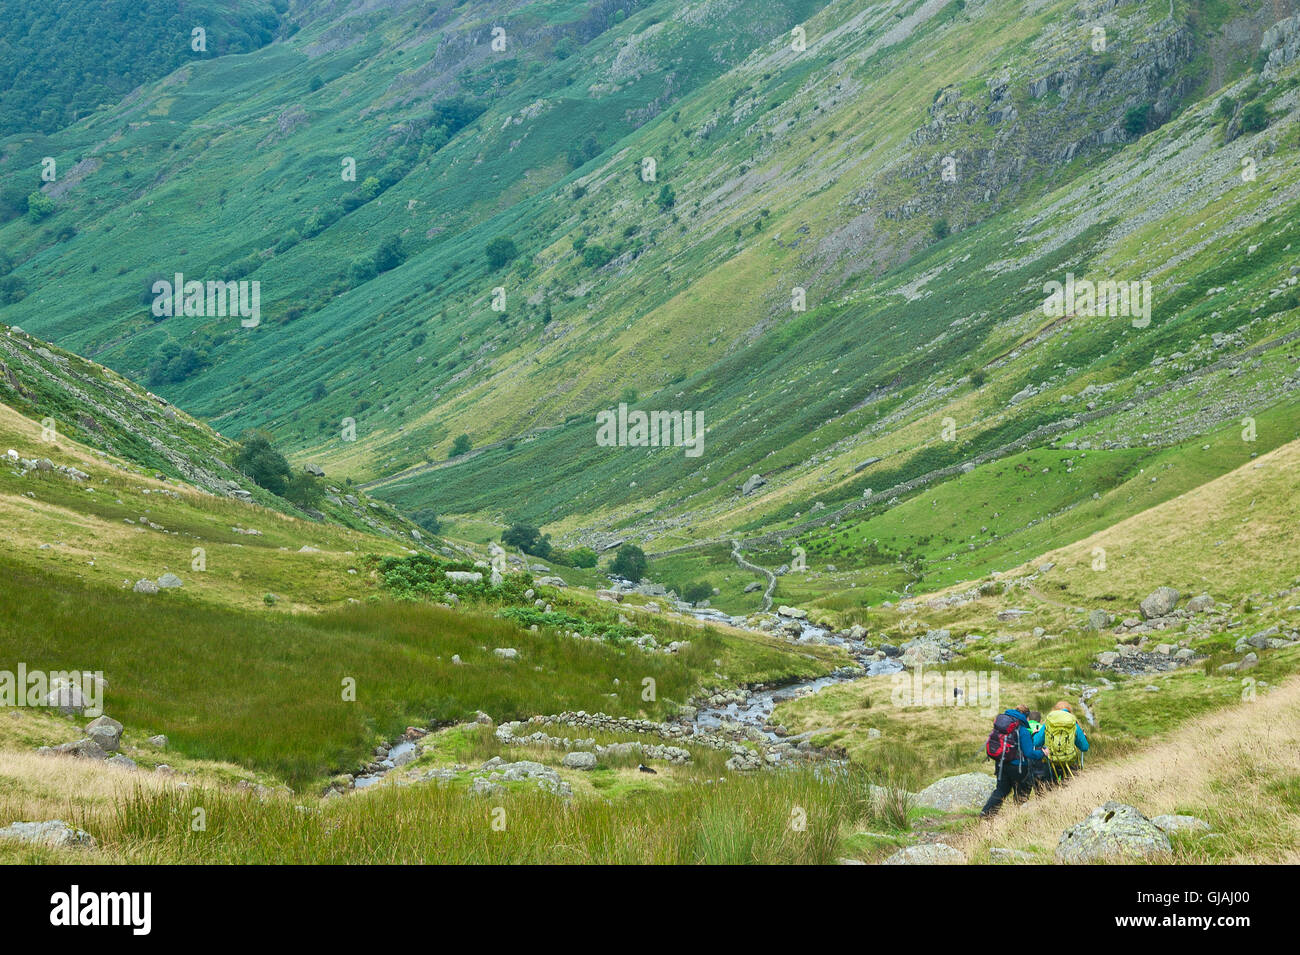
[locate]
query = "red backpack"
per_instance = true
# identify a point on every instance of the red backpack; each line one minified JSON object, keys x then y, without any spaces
{"x":1004,"y":741}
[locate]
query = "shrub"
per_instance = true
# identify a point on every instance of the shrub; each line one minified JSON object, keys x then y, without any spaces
{"x":1136,"y":118}
{"x":500,"y":252}
{"x":427,"y":520}
{"x":630,"y":562}
{"x":528,"y":539}
{"x":259,"y":460}
{"x":39,"y":206}
{"x":1254,"y":118}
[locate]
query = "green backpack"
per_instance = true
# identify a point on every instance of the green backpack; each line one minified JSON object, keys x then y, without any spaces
{"x":1059,"y":739}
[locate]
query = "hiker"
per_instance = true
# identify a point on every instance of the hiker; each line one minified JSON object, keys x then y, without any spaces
{"x":1063,"y":740}
{"x":1012,"y":745}
{"x":1040,"y":771}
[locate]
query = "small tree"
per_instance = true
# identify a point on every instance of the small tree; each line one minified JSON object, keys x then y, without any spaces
{"x":304,"y":490}
{"x":630,"y":562}
{"x":460,"y":446}
{"x":39,"y":206}
{"x":427,"y":520}
{"x":258,"y":459}
{"x":528,"y":539}
{"x":500,"y":252}
{"x":1254,"y":117}
{"x":390,"y":254}
{"x":1135,"y":119}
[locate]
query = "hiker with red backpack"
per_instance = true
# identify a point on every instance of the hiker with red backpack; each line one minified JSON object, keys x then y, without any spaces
{"x":1011,"y":745}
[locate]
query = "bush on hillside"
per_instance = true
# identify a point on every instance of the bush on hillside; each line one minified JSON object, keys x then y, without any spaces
{"x":630,"y":563}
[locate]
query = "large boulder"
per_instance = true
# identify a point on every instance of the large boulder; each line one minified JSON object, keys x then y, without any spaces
{"x":145,"y":586}
{"x":955,"y":793}
{"x":1113,"y":832}
{"x":105,"y":731}
{"x":1098,"y":620}
{"x":1159,"y":603}
{"x":169,"y":581}
{"x":579,"y":760}
{"x":53,"y":832}
{"x":933,"y":853}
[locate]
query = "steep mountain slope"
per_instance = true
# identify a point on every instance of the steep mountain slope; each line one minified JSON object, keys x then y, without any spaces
{"x":916,"y":172}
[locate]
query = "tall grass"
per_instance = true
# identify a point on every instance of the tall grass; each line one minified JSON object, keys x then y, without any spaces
{"x":782,"y":817}
{"x":267,"y":690}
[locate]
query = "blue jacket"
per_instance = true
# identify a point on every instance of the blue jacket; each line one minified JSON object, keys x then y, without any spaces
{"x":1030,"y":744}
{"x":1080,"y":740}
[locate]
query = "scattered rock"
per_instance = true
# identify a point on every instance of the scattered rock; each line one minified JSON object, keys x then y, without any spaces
{"x":145,"y":586}
{"x":82,"y":748}
{"x":933,"y":853}
{"x":1008,"y":856}
{"x":1098,"y":620}
{"x":579,"y":760}
{"x":67,"y":699}
{"x":1171,"y":823}
{"x":53,"y":832}
{"x":105,"y":731}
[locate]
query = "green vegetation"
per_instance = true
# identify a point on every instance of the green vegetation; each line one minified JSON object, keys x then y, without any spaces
{"x":629,"y":562}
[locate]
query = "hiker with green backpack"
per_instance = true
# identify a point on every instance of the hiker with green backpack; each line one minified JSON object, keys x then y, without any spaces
{"x":1063,"y":741}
